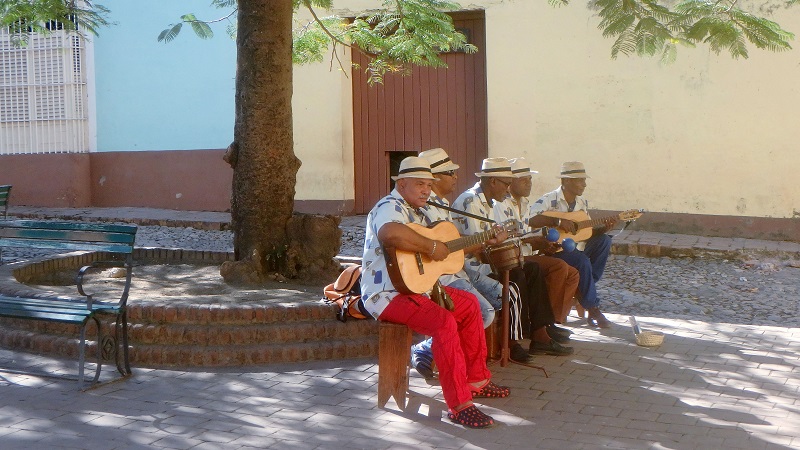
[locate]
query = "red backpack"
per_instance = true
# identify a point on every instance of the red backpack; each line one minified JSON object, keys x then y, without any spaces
{"x":345,"y":292}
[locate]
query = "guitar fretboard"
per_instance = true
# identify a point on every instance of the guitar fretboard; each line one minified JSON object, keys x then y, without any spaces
{"x":592,"y":223}
{"x":468,"y":241}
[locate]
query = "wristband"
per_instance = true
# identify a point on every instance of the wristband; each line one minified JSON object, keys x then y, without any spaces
{"x":434,"y":249}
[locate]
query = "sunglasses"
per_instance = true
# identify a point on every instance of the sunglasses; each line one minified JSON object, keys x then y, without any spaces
{"x":449,"y":173}
{"x":505,"y":183}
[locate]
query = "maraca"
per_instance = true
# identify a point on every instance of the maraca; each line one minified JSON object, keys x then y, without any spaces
{"x":552,"y":235}
{"x":568,"y":244}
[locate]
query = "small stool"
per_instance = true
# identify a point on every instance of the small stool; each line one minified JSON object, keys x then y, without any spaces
{"x":394,"y":354}
{"x":494,"y":338}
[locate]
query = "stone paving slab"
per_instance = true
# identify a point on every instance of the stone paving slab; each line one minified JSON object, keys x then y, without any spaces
{"x":709,"y":385}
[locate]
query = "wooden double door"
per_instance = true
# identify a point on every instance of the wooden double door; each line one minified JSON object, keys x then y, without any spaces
{"x":430,"y":108}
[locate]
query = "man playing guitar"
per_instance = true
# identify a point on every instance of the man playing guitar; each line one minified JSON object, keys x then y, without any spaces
{"x":459,"y":345}
{"x":495,"y":178}
{"x":591,"y":260}
{"x":561,"y":278}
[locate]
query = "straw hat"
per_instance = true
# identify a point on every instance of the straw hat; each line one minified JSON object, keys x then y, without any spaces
{"x":414,"y":167}
{"x":573,"y":169}
{"x":439,"y":160}
{"x":520,"y":168}
{"x":495,"y":167}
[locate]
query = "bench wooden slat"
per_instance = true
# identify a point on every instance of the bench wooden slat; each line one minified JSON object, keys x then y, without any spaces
{"x":66,"y":304}
{"x":52,"y":316}
{"x":10,"y":308}
{"x":66,"y":235}
{"x":62,"y":245}
{"x":76,"y":226}
{"x":77,"y":305}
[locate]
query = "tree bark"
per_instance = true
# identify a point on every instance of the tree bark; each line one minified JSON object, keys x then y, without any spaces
{"x":266,"y":168}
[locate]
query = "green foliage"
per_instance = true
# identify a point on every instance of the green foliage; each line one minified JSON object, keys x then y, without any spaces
{"x":402,"y":33}
{"x":311,"y":40}
{"x":23,"y":17}
{"x":649,"y":28}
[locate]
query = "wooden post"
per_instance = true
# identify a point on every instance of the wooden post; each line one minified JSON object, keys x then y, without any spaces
{"x":394,"y":353}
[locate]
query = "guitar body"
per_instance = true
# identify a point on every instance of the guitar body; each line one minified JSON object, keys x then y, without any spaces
{"x":415,"y":273}
{"x":586,"y":224}
{"x":574,"y":216}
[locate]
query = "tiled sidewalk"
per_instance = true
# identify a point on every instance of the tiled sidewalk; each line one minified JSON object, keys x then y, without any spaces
{"x":709,"y":385}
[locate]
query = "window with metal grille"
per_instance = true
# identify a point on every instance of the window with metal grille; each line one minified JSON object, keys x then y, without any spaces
{"x":43,"y":94}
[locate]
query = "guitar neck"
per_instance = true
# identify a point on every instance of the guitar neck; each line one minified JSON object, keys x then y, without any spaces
{"x":468,"y":241}
{"x":592,"y":222}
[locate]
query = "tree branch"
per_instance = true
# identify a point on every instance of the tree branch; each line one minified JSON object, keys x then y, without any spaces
{"x":235,"y":10}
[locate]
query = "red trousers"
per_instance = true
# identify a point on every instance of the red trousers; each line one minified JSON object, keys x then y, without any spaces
{"x":459,"y":342}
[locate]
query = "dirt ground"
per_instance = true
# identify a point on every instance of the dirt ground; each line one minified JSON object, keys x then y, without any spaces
{"x":188,"y":282}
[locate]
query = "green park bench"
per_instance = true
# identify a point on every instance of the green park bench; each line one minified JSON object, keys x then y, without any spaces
{"x":115,"y":245}
{"x":5,"y":193}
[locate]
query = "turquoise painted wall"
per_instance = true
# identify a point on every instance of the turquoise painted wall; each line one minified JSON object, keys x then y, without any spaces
{"x":156,"y":96}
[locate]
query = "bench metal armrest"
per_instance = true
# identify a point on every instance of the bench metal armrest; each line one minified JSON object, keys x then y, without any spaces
{"x":127,"y":264}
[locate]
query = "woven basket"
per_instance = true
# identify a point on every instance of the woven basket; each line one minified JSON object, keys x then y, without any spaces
{"x":650,"y":338}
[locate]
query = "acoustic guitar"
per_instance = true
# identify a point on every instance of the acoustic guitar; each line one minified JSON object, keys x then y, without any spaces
{"x":416,"y":273}
{"x":584,"y":224}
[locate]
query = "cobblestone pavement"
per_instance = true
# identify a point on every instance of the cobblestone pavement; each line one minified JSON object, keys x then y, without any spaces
{"x":727,"y":376}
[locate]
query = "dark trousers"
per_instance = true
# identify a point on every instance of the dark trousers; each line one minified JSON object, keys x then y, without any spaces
{"x":591,"y":262}
{"x":536,"y":306}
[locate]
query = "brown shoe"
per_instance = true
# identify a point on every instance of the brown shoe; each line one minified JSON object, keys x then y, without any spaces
{"x":597,"y":319}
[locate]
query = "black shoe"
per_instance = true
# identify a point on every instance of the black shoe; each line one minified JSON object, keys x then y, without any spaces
{"x":558,"y":337}
{"x":559,"y":330}
{"x":550,"y":348}
{"x":518,"y":353}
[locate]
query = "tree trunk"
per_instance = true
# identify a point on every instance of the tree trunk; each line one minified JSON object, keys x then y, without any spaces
{"x":266,"y":236}
{"x":266,"y":167}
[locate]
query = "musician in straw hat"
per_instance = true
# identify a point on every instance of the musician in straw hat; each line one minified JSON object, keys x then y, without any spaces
{"x":561,"y":278}
{"x":459,"y":345}
{"x":487,"y":290}
{"x":495,"y":178}
{"x":591,"y":259}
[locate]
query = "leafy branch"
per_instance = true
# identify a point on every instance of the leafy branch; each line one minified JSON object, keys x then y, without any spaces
{"x":648,"y":28}
{"x":402,"y":33}
{"x":23,"y":18}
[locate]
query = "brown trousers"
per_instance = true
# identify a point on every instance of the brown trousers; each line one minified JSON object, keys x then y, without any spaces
{"x":562,"y":283}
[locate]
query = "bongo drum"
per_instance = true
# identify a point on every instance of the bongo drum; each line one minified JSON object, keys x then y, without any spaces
{"x":505,"y":256}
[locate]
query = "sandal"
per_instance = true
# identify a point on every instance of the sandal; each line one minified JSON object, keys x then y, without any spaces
{"x":471,"y":417}
{"x":597,"y":319}
{"x":491,"y":390}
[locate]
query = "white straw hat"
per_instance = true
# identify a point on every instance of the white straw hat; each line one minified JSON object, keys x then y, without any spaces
{"x":520,"y":168}
{"x":495,"y":167}
{"x":573,"y":169}
{"x":414,"y":167}
{"x":439,"y":160}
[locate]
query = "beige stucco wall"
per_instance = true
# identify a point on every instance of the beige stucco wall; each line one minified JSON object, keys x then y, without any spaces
{"x":323,"y":131}
{"x":705,"y":135}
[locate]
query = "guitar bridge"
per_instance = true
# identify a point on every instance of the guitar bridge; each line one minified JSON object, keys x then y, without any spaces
{"x":420,"y":267}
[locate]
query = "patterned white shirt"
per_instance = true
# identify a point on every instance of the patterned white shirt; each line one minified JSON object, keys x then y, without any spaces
{"x":519,"y":211}
{"x":555,"y":201}
{"x":434,"y":214}
{"x":377,"y":289}
{"x":474,"y":201}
